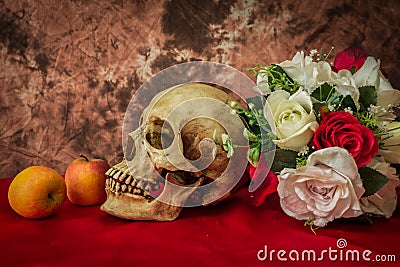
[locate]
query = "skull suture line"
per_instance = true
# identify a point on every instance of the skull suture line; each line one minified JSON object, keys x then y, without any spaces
{"x":171,"y":160}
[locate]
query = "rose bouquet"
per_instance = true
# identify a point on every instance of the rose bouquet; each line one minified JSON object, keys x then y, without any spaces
{"x":334,"y":132}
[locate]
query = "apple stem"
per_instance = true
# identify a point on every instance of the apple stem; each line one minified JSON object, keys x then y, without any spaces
{"x":83,"y":156}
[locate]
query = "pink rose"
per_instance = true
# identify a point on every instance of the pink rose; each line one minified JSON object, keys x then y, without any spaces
{"x":326,"y":188}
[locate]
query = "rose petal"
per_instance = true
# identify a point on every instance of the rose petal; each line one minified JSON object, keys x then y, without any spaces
{"x":335,"y":130}
{"x":349,"y":57}
{"x":274,"y":100}
{"x":388,"y":97}
{"x":384,"y":201}
{"x":292,"y":118}
{"x":268,"y":187}
{"x":303,"y":99}
{"x":328,"y":187}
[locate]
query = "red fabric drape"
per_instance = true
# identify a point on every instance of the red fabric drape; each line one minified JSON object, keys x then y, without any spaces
{"x":228,"y":234}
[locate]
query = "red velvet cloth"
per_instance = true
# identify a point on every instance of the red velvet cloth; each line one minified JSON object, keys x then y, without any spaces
{"x":229,"y":234}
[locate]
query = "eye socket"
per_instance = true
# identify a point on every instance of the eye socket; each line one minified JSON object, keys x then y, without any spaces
{"x":159,"y":134}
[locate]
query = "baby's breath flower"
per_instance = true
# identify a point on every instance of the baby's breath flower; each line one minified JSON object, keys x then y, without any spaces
{"x":348,"y":110}
{"x":313,"y":52}
{"x":303,"y":151}
{"x":373,"y":109}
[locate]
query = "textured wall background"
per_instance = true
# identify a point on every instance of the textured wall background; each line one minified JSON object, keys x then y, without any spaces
{"x":69,"y":68}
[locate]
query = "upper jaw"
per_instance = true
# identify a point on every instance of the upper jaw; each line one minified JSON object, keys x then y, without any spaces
{"x":121,"y":182}
{"x":132,"y":198}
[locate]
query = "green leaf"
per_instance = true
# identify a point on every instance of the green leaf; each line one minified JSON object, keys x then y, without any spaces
{"x":284,"y":159}
{"x":323,"y":92}
{"x":325,"y":95}
{"x":276,"y":78}
{"x":215,"y":137}
{"x":372,"y":180}
{"x":301,"y":161}
{"x":249,"y":135}
{"x":368,"y":96}
{"x":278,"y":69}
{"x":253,"y":154}
{"x":275,"y":73}
{"x":348,"y":103}
{"x":353,"y":69}
{"x":230,"y":151}
{"x":257,"y":101}
{"x":256,"y":104}
{"x":261,"y":128}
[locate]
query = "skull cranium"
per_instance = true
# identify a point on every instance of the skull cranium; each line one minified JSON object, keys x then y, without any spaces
{"x":171,"y":159}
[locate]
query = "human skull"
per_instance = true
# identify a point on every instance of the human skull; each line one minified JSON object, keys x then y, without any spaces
{"x":171,"y":159}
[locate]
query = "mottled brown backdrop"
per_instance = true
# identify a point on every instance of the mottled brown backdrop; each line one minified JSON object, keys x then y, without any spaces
{"x":69,"y":68}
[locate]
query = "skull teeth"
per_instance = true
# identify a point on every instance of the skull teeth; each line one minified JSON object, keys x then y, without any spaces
{"x":124,"y":188}
{"x":120,"y":181}
{"x":118,"y":187}
{"x":122,"y":177}
{"x":136,"y":191}
{"x":140,"y":187}
{"x":117,"y":174}
{"x":112,"y":172}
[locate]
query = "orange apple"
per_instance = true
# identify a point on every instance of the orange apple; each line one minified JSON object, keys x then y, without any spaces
{"x":37,"y":192}
{"x":85,"y":179}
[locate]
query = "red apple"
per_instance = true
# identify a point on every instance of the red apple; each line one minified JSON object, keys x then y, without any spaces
{"x":85,"y":179}
{"x":37,"y":192}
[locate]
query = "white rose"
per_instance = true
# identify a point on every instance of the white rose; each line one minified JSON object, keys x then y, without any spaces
{"x":292,"y":118}
{"x":384,"y":201}
{"x":326,"y":188}
{"x":346,"y":85}
{"x":370,"y":74}
{"x":391,"y":146}
{"x":306,"y":72}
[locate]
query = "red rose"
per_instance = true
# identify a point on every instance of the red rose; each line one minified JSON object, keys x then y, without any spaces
{"x":349,"y":58}
{"x":341,"y":129}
